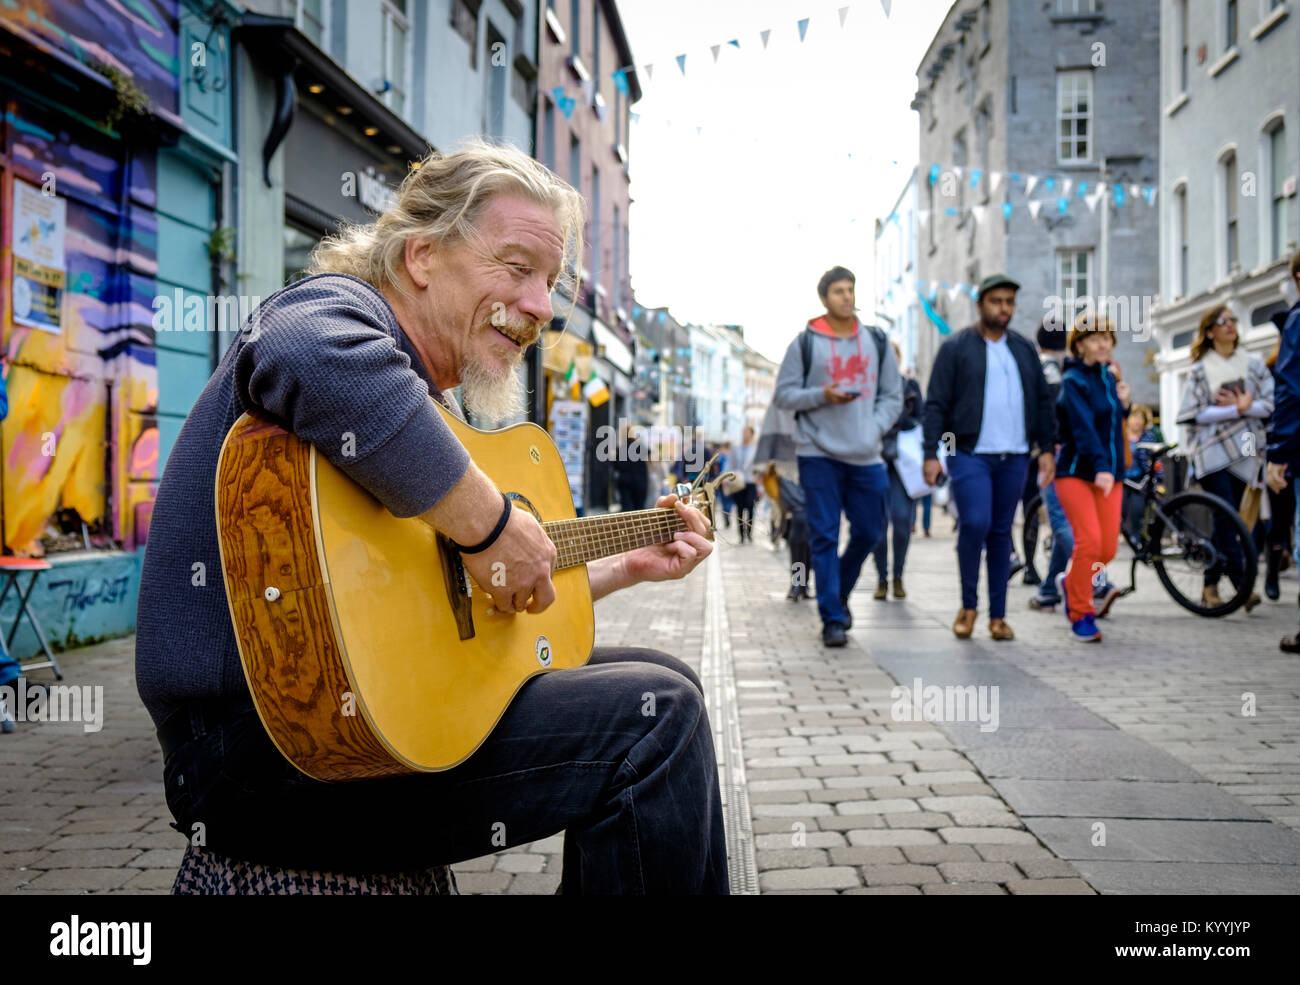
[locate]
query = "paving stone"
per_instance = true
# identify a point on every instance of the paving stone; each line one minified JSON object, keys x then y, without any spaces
{"x":964,"y":889}
{"x":834,"y":877}
{"x":1002,"y":818}
{"x":920,"y":819}
{"x":1047,"y":868}
{"x":866,"y":855}
{"x":1052,"y":887}
{"x":80,"y":879}
{"x":847,"y":822}
{"x":876,"y":806}
{"x":804,"y":809}
{"x":472,"y":883}
{"x":101,"y":858}
{"x":535,"y":884}
{"x":890,"y":875}
{"x":933,"y":854}
{"x":811,"y":839}
{"x":902,"y":836}
{"x":1012,"y":853}
{"x":791,"y":858}
{"x":883,"y":891}
{"x":483,"y":864}
{"x":986,"y":836}
{"x":978,"y":871}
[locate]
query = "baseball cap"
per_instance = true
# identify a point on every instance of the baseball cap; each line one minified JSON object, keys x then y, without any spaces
{"x":996,"y":280}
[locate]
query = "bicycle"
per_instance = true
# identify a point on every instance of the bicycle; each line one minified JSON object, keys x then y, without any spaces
{"x":1175,"y":536}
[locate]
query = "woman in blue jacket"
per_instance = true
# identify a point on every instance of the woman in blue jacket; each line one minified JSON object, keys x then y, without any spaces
{"x":1090,"y":412}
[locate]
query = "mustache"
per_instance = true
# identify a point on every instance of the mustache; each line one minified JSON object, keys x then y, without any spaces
{"x":525,"y":330}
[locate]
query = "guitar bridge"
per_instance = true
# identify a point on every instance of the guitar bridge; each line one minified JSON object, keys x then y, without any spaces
{"x":458,"y":587}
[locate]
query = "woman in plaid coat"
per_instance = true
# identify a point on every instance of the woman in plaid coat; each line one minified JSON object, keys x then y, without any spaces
{"x":1227,"y":402}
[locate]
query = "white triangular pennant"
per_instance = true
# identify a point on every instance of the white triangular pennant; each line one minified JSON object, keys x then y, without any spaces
{"x":844,"y":12}
{"x":957,"y":170}
{"x":1031,"y":182}
{"x":1092,"y":200}
{"x":955,"y":290}
{"x":923,"y":216}
{"x":1066,"y":184}
{"x":995,"y":179}
{"x":885,"y":4}
{"x":649,"y":70}
{"x":715,"y":48}
{"x":977,"y":212}
{"x":765,"y":35}
{"x":1135,"y":190}
{"x":1034,"y":206}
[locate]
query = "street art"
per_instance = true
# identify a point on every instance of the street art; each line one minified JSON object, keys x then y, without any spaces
{"x":81,"y":433}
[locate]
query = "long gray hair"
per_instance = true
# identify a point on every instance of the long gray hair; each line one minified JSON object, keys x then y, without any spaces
{"x":442,"y":199}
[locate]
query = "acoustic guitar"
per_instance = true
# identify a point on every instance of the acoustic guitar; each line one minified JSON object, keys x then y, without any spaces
{"x":368,"y":649}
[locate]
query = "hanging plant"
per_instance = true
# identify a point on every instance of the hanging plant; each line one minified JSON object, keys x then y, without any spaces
{"x":130,"y":97}
{"x":221,"y":244}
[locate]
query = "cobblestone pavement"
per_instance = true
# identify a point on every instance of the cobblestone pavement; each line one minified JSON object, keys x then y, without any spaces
{"x":843,"y":798}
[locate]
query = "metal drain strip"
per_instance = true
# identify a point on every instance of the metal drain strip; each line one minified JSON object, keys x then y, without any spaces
{"x":717,"y":674}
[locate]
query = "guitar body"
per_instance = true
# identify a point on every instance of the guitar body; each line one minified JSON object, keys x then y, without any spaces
{"x":367,"y":649}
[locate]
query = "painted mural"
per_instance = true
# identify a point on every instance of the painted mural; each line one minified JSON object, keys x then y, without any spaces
{"x":81,"y":440}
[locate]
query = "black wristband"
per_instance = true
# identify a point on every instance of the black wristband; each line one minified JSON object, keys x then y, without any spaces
{"x":491,"y":538}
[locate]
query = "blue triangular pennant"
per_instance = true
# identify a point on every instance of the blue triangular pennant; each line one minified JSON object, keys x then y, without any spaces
{"x":803,"y":28}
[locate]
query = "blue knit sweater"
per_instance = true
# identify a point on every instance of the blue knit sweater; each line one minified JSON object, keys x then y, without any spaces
{"x":327,"y":359}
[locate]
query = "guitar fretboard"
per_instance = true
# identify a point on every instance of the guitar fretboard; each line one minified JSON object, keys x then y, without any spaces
{"x":587,"y":538}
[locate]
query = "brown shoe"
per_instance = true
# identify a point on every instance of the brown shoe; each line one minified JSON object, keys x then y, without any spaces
{"x":898,"y":589}
{"x":965,"y":624}
{"x":1210,"y":597}
{"x":1252,"y":601}
{"x":1290,"y":644}
{"x":882,"y":592}
{"x":999,"y":629}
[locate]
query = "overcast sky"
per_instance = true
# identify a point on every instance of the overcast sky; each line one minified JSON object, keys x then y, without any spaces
{"x":800,"y":148}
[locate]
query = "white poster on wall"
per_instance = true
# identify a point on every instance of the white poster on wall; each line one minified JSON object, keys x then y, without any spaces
{"x":39,"y":221}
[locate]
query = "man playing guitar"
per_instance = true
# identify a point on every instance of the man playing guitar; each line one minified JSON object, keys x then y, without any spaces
{"x":448,"y":288}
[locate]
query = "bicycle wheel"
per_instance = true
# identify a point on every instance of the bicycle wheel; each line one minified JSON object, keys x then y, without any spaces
{"x":1183,"y":550}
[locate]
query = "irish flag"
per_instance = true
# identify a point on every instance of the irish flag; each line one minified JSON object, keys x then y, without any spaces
{"x":595,"y":390}
{"x":571,"y":378}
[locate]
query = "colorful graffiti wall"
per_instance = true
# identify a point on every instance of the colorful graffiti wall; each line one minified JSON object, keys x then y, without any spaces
{"x":81,"y":434}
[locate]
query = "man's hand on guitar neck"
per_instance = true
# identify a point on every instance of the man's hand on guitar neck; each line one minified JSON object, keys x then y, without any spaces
{"x":674,"y":559}
{"x":518,"y":566}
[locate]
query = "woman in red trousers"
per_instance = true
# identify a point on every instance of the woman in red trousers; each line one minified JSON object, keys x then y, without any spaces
{"x":1090,"y":412}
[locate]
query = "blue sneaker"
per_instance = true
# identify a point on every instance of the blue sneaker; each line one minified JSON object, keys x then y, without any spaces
{"x":1085,"y":629}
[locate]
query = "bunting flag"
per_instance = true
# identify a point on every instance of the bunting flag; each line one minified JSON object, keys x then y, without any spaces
{"x":734,"y":43}
{"x":1083,"y":190}
{"x":1092,"y":201}
{"x":974,"y":292}
{"x":923,"y":216}
{"x":1062,"y":205}
{"x":715,"y":48}
{"x":601,"y":112}
{"x":1150,"y":194}
{"x":595,"y":390}
{"x":977,"y":213}
{"x":1049,"y":184}
{"x":681,"y":63}
{"x":620,"y":81}
{"x":571,"y":378}
{"x":975,"y":177}
{"x":803,"y":28}
{"x":957,"y":169}
{"x":589,"y":90}
{"x":635,"y":117}
{"x":844,"y":12}
{"x":1119,"y":196}
{"x":940,"y":325}
{"x":1134,"y":190}
{"x":1006,"y":211}
{"x":1066,"y":183}
{"x":995,"y":179}
{"x":566,"y":104}
{"x":1034,"y":207}
{"x":765,"y":35}
{"x":955,"y":290}
{"x":950,"y":210}
{"x":1030,"y":184}
{"x":885,"y":4}
{"x":649,"y":71}
{"x":935,"y":171}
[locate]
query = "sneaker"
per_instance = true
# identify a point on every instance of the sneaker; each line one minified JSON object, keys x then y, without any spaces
{"x":1042,"y":602}
{"x":833,"y":634}
{"x":898,"y":589}
{"x":1017,"y":565}
{"x":1085,"y":629}
{"x":1032,"y":576}
{"x":882,"y":591}
{"x":1105,"y":600}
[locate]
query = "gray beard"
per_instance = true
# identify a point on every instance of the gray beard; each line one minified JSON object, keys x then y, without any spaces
{"x":492,"y":395}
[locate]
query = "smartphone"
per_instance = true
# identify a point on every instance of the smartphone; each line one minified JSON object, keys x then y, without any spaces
{"x":854,"y":393}
{"x":1237,"y":386}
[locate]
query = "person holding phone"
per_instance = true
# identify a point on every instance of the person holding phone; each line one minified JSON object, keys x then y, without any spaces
{"x":1226,"y":402}
{"x":1090,"y":411}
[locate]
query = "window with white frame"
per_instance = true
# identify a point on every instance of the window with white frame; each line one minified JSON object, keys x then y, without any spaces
{"x":393,"y":39}
{"x":1074,"y":117}
{"x":1073,"y":272}
{"x":310,"y":18}
{"x":1228,"y":177}
{"x":1276,"y":160}
{"x":1069,"y":8}
{"x":1178,"y":238}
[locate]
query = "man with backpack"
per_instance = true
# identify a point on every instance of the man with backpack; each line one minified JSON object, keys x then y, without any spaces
{"x":842,"y":381}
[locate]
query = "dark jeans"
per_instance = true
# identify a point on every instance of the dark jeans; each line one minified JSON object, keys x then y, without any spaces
{"x":833,"y":488}
{"x":927,"y":503}
{"x":986,"y":489}
{"x":901,"y":515}
{"x":1228,"y":488}
{"x":745,"y":510}
{"x":636,"y":790}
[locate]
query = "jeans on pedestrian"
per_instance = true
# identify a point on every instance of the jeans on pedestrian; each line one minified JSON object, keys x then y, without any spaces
{"x":635,"y":791}
{"x":833,"y":488}
{"x":901,"y":515}
{"x":927,"y":503}
{"x":1228,"y":488}
{"x":1062,"y":540}
{"x":986,"y":489}
{"x":745,"y":510}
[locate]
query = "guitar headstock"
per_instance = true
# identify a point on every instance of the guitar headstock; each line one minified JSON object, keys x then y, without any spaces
{"x":703,"y":493}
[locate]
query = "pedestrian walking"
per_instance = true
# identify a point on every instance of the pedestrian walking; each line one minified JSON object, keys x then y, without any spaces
{"x":744,"y":496}
{"x":1284,"y":428}
{"x":1090,"y":411}
{"x":989,"y":401}
{"x":1281,"y":503}
{"x":841,"y":380}
{"x":900,"y":513}
{"x":1228,"y":397}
